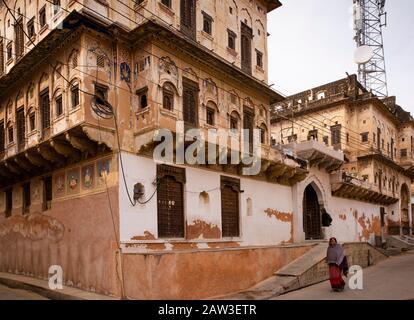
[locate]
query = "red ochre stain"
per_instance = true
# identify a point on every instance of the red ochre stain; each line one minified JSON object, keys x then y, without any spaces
{"x":342,"y":217}
{"x":219,"y":245}
{"x":369,"y":227}
{"x":147,"y":236}
{"x":204,"y":230}
{"x":284,"y":217}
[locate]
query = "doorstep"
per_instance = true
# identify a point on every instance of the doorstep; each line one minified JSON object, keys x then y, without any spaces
{"x":41,"y":287}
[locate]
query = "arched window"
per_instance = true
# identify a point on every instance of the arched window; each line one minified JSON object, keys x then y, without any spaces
{"x":168,"y":97}
{"x":234,"y":121}
{"x":74,"y":94}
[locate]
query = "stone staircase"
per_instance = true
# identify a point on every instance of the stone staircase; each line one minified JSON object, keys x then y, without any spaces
{"x":397,"y":244}
{"x":307,"y":270}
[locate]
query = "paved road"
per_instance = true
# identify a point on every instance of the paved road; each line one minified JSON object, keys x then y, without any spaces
{"x":391,"y":279}
{"x":7,"y":293}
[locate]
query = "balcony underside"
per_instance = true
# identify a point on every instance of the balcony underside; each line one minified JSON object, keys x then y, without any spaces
{"x":350,"y":191}
{"x":273,"y":167}
{"x":76,"y":144}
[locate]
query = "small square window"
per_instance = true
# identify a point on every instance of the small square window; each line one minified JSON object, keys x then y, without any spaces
{"x":59,"y":105}
{"x":11,"y":134}
{"x":166,"y":3}
{"x":210,"y":116}
{"x":259,"y":59}
{"x":233,"y":123}
{"x":32,"y":121}
{"x":9,"y":51}
{"x":364,"y":137}
{"x":31,"y":28}
{"x":207,"y":23}
{"x":403,"y":153}
{"x":75,"y":96}
{"x":143,"y":97}
{"x":231,"y":44}
{"x":42,"y":17}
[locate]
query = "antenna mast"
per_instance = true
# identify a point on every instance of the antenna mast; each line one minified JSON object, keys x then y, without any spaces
{"x":369,"y":19}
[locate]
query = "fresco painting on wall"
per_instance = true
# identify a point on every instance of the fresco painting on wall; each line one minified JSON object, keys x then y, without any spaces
{"x":73,"y":181}
{"x":59,"y":184}
{"x":104,"y":168}
{"x":88,"y":177}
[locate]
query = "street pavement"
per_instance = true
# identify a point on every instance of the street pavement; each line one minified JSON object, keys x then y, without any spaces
{"x":7,"y":293}
{"x":391,"y":279}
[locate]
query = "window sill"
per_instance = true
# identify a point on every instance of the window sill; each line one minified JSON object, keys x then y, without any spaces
{"x":59,"y":14}
{"x":31,"y":42}
{"x":260,"y":69}
{"x":141,"y":112}
{"x":74,"y":109}
{"x":168,"y":113}
{"x":166,"y":9}
{"x":233,"y":52}
{"x":43,"y":29}
{"x":32,"y":133}
{"x":58,"y":118}
{"x":210,"y":126}
{"x":9,"y":62}
{"x":207,"y":35}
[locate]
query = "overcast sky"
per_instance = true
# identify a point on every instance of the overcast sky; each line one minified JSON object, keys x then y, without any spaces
{"x":311,"y":43}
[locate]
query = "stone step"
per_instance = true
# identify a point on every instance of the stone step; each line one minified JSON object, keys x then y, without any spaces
{"x":305,"y":262}
{"x":400,"y":242}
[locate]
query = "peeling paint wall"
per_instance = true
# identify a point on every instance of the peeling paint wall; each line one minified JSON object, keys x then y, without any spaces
{"x":268,"y":223}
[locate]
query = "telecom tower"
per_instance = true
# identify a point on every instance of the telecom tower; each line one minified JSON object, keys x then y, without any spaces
{"x":369,"y":19}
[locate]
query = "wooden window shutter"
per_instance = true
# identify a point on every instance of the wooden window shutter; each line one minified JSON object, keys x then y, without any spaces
{"x":246,"y":48}
{"x":45,"y":109}
{"x":230,"y":189}
{"x":19,"y":37}
{"x":188,"y":17}
{"x":21,"y":128}
{"x":170,"y":201}
{"x":248,"y":122}
{"x":190,"y":103}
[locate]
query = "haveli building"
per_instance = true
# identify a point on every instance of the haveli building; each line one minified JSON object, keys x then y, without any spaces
{"x":84,"y":87}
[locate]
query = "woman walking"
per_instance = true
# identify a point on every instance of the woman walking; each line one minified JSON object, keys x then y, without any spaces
{"x":338,"y":263}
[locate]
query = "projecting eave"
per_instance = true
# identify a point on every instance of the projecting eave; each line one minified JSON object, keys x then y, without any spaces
{"x":273,"y":5}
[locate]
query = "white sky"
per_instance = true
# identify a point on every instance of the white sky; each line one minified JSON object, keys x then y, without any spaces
{"x":311,"y":43}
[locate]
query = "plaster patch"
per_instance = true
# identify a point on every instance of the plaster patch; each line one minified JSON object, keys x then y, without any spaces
{"x":34,"y":226}
{"x":204,"y":230}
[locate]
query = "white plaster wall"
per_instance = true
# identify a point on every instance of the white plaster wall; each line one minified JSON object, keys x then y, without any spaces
{"x":257,"y":229}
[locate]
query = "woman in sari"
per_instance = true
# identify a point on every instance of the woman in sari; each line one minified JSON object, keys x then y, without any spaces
{"x":338,"y":263}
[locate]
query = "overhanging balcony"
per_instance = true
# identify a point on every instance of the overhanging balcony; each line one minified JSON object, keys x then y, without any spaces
{"x":346,"y":186}
{"x":76,"y":144}
{"x":316,"y":154}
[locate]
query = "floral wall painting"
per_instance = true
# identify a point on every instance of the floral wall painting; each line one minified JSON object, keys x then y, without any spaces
{"x":59,"y":184}
{"x":73,"y":181}
{"x":88,"y":177}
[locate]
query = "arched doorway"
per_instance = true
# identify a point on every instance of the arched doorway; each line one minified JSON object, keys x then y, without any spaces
{"x":405,"y":202}
{"x":311,"y":214}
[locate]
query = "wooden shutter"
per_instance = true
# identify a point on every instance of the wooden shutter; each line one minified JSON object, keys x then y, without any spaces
{"x":190,"y":103}
{"x":21,"y":128}
{"x":45,"y":109}
{"x":248,"y":122}
{"x":170,"y":201}
{"x":47,"y":193}
{"x":188,"y":17}
{"x":230,"y":189}
{"x":246,"y":48}
{"x":9,"y":202}
{"x":19,"y":37}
